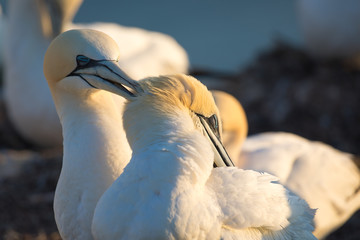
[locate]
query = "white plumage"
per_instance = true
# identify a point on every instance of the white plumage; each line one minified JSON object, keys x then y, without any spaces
{"x":31,"y":27}
{"x":326,"y":178}
{"x":169,"y":189}
{"x":95,"y":145}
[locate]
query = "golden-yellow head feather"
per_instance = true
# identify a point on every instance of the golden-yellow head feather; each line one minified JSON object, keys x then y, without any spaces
{"x":178,"y":103}
{"x":180,"y":90}
{"x":60,"y":57}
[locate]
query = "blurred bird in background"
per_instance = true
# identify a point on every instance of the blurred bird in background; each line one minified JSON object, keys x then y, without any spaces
{"x":329,"y":180}
{"x":27,"y":97}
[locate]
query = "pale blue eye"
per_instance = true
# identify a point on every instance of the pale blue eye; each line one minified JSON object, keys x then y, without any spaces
{"x":82,"y":60}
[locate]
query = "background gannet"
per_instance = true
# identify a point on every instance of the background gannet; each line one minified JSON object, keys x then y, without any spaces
{"x":169,"y":189}
{"x":95,"y":145}
{"x":331,"y":28}
{"x":27,"y":98}
{"x":325,"y":177}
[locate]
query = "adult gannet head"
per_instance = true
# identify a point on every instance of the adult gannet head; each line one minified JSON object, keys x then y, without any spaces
{"x":85,"y":59}
{"x":185,"y":94}
{"x":81,"y":61}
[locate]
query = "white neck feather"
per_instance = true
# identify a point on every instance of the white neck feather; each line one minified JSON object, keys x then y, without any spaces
{"x":26,"y":20}
{"x":95,"y":153}
{"x":168,"y":144}
{"x":170,"y":156}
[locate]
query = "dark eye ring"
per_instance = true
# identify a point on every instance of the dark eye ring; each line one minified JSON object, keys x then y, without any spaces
{"x":214,"y":121}
{"x":82,"y":60}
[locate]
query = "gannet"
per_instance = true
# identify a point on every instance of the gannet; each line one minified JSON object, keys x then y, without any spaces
{"x":326,"y":178}
{"x":27,"y":97}
{"x":331,"y":28}
{"x":169,"y":189}
{"x":95,"y":145}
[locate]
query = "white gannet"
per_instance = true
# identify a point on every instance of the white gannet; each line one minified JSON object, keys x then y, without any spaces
{"x":95,"y":145}
{"x":27,"y":97}
{"x":331,"y":28}
{"x":325,"y":177}
{"x":170,"y":190}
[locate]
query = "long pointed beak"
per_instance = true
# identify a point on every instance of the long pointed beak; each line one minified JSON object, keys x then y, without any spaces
{"x":221,"y":157}
{"x":107,"y":75}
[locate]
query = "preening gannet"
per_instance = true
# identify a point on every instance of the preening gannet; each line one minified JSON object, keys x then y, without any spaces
{"x":326,"y":178}
{"x":27,"y":97}
{"x":169,"y":189}
{"x":331,"y":28}
{"x":95,"y":145}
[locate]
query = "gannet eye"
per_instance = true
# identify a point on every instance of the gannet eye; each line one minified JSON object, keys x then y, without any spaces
{"x":213,"y":123}
{"x":213,"y":120}
{"x":82,"y":60}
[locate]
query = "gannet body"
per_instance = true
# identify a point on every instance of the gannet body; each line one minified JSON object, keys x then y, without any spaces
{"x":331,"y":28}
{"x":95,"y":145}
{"x":326,"y":178}
{"x":169,"y":189}
{"x":27,"y":98}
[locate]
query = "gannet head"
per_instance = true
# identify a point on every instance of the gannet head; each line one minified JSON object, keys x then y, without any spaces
{"x":79,"y":60}
{"x":234,"y":121}
{"x":166,"y":94}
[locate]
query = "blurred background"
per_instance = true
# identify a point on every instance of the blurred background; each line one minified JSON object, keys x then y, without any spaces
{"x":254,"y":50}
{"x":223,"y":35}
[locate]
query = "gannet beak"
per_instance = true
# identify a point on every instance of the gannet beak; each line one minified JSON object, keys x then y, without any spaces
{"x":107,"y":75}
{"x":221,"y":157}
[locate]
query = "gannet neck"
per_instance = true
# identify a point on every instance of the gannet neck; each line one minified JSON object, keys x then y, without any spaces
{"x":28,"y":16}
{"x":90,"y":163}
{"x":172,"y":134}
